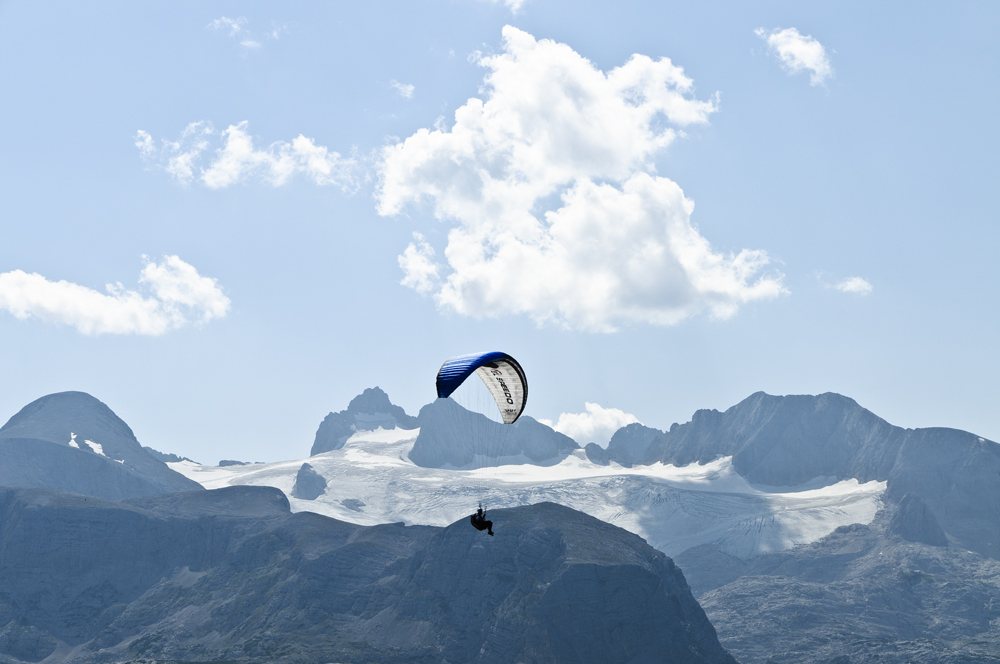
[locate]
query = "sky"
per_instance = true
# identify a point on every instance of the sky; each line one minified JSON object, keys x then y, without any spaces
{"x":225,"y":220}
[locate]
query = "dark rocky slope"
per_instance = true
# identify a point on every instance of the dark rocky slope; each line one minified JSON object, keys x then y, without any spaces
{"x":36,"y":451}
{"x":232,"y":575}
{"x":890,"y":592}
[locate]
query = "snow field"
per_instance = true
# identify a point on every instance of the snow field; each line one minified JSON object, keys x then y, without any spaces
{"x":371,"y":480}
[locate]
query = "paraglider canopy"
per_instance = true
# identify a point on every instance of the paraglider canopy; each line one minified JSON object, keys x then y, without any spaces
{"x":500,"y":372}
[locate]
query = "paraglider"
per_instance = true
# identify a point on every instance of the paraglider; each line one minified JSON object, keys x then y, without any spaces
{"x":480,"y":522}
{"x":503,"y":401}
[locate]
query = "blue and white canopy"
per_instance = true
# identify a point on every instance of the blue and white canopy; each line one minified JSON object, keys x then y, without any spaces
{"x":501,"y":373}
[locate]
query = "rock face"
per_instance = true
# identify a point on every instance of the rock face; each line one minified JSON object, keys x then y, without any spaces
{"x":863,"y":594}
{"x":921,"y":583}
{"x":70,"y":441}
{"x":165,"y":457}
{"x":628,"y":446}
{"x":451,"y":436}
{"x":787,"y":441}
{"x":309,"y":485}
{"x":231,"y":575}
{"x":914,"y":522}
{"x":368,"y":411}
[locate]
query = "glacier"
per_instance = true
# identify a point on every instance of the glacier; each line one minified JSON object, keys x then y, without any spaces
{"x":370,"y":480}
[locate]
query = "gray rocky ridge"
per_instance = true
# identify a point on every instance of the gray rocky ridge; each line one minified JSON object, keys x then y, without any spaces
{"x":627,"y":446}
{"x":787,"y":441}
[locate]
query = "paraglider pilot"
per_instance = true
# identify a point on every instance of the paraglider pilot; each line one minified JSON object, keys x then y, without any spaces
{"x":479,"y":521}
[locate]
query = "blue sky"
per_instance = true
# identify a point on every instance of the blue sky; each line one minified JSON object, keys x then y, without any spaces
{"x":258,"y":291}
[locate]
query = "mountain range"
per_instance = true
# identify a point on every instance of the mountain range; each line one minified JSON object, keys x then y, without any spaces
{"x":160,"y":572}
{"x":811,"y":529}
{"x":808,"y":528}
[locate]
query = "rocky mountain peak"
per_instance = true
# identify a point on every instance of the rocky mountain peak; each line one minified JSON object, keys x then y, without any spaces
{"x":72,"y":441}
{"x":451,"y":436}
{"x":366,"y":412}
{"x":67,"y":416}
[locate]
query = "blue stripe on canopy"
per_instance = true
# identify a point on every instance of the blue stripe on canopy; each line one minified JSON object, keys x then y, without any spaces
{"x":454,"y":372}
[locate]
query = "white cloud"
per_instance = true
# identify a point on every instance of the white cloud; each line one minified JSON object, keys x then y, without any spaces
{"x":176,"y":295}
{"x":235,"y":26}
{"x":798,"y":53}
{"x":144,"y":142}
{"x":405,"y":90}
{"x":419,"y":268}
{"x":238,"y":29}
{"x":558,"y":212}
{"x":237,"y":160}
{"x":597,"y":425}
{"x":513,"y":5}
{"x":855,"y":285}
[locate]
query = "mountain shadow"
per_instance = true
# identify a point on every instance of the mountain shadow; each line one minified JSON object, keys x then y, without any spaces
{"x":232,"y":575}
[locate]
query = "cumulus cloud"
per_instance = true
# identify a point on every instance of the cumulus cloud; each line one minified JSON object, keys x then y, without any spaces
{"x":596,"y":425}
{"x":174,"y":295}
{"x":855,"y":285}
{"x":798,"y":53}
{"x":236,"y":160}
{"x":556,"y":209}
{"x":405,"y":90}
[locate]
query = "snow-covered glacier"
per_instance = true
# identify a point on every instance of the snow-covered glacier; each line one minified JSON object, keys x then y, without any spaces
{"x":371,"y":480}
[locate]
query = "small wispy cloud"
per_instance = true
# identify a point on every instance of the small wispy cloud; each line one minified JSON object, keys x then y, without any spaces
{"x":237,"y":160}
{"x":855,"y":285}
{"x":513,"y":5}
{"x":238,"y":29}
{"x":173,"y":294}
{"x":798,"y":52}
{"x":596,"y":425}
{"x":277,"y":31}
{"x":234,"y":26}
{"x":405,"y":90}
